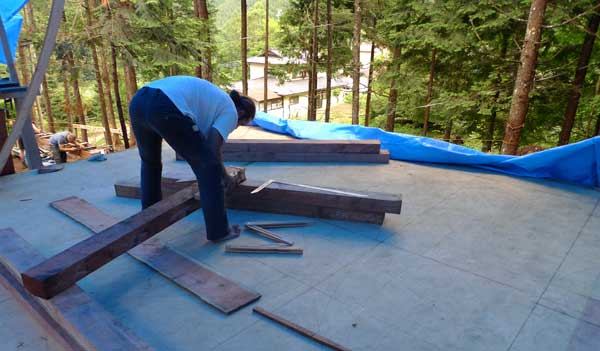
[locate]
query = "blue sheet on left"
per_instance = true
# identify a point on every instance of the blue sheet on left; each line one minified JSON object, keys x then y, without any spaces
{"x":9,"y":10}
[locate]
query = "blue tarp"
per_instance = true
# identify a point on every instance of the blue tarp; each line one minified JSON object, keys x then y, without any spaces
{"x":9,"y":8}
{"x":12,"y":22}
{"x":578,"y":163}
{"x":13,"y":28}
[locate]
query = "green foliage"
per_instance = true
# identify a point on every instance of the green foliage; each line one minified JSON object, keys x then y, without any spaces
{"x":477,"y":46}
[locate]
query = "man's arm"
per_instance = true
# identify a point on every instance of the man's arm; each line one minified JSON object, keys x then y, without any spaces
{"x":215,"y":145}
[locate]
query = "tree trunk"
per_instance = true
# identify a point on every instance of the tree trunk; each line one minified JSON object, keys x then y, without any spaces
{"x":204,"y":69}
{"x":48,"y":105}
{"x":311,"y":86}
{"x":244,"y":48}
{"x":115,"y":79}
{"x":131,"y":88}
{"x":114,"y":72}
{"x":312,"y":109}
{"x":130,"y":80}
{"x":582,"y":65}
{"x":67,"y":96}
{"x":329,"y":57}
{"x":448,"y":130}
{"x":429,"y":91}
{"x":356,"y":63}
{"x":524,"y":80}
{"x":78,"y":101}
{"x":369,"y":84}
{"x":112,"y":121}
{"x":393,"y":95}
{"x":266,"y":72}
{"x":491,"y":123}
{"x":102,"y":101}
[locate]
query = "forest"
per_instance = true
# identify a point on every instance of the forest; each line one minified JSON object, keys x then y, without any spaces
{"x":501,"y":76}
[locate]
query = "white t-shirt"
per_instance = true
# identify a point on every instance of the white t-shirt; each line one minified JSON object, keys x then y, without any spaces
{"x":206,"y":104}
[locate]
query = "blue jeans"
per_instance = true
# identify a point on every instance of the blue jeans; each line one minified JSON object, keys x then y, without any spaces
{"x":154,"y":118}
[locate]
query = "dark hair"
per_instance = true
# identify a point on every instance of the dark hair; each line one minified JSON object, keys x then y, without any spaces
{"x":243,"y":103}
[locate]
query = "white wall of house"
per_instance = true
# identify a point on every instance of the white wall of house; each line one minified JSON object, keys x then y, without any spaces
{"x":295,"y":106}
{"x":256,"y":70}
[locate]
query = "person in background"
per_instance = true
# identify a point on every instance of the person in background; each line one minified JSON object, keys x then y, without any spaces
{"x":57,"y":143}
{"x":195,"y":117}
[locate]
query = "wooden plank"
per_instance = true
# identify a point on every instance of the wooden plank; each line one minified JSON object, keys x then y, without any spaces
{"x":85,"y":322}
{"x":212,"y":288}
{"x":250,"y":156}
{"x":85,"y":213}
{"x":374,"y":202}
{"x":69,"y":266}
{"x":24,"y":105}
{"x":274,"y":204}
{"x":37,"y":311}
{"x":301,"y":330}
{"x":275,"y":249}
{"x":302,"y":146}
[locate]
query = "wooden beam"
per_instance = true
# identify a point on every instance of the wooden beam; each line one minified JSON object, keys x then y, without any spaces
{"x":263,"y":249}
{"x":69,"y":266}
{"x":373,"y":202}
{"x":78,"y":322}
{"x":212,"y":288}
{"x":305,"y":210}
{"x":305,"y":202}
{"x":302,"y":146}
{"x":301,"y":330}
{"x":382,"y":157}
{"x":172,"y":182}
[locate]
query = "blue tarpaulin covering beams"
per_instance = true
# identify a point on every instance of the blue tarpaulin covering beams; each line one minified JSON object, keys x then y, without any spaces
{"x":578,"y":162}
{"x":12,"y":22}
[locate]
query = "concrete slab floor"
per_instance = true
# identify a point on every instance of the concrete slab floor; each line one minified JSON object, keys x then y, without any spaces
{"x":476,"y":261}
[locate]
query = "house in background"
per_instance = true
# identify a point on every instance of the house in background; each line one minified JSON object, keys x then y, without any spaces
{"x":289,"y":99}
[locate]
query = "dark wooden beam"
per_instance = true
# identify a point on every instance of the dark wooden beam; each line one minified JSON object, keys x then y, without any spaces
{"x":302,"y":146}
{"x":372,"y":202}
{"x":294,"y":201}
{"x":212,"y":288}
{"x":253,"y":156}
{"x":73,"y":317}
{"x":69,"y":266}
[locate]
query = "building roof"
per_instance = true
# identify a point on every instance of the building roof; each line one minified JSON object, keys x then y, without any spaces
{"x":292,"y":87}
{"x":276,"y":58}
